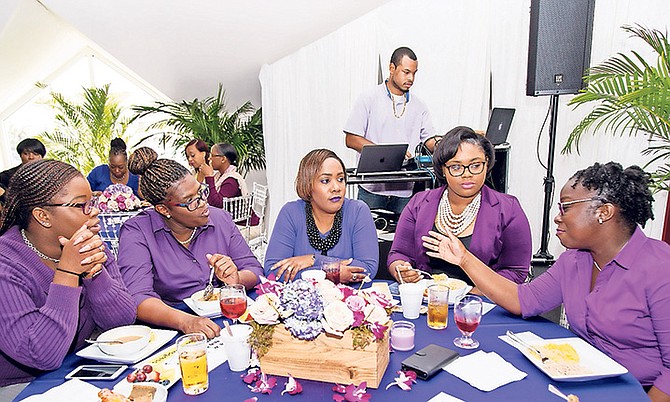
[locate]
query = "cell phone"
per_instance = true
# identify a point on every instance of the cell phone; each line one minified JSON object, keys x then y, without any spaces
{"x":97,"y":372}
{"x":429,"y":360}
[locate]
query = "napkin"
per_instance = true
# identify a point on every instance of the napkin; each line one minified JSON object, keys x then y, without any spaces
{"x":484,"y":370}
{"x":486,"y":307}
{"x":64,"y":392}
{"x":442,"y":397}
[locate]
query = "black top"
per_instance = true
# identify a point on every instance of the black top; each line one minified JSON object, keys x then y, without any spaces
{"x":439,"y":266}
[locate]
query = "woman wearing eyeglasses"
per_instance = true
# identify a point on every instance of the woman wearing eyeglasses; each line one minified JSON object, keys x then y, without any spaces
{"x":613,"y":280}
{"x":58,"y":283}
{"x":167,"y":253}
{"x":492,"y":225}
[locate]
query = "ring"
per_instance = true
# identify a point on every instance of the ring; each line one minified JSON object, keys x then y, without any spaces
{"x":354,"y":277}
{"x":102,"y":247}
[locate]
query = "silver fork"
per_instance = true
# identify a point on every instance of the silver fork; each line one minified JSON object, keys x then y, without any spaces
{"x":557,"y":392}
{"x":210,"y":288}
{"x":521,"y":342}
{"x":422,"y":272}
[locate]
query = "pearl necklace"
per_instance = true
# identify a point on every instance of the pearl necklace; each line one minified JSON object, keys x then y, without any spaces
{"x":38,"y":252}
{"x":446,"y":219}
{"x":404,"y":106}
{"x":187,"y":241}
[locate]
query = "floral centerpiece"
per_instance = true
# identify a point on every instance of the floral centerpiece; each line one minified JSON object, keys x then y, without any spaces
{"x":117,"y":198}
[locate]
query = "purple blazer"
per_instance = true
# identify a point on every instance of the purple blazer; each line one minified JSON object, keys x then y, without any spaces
{"x":501,"y":237}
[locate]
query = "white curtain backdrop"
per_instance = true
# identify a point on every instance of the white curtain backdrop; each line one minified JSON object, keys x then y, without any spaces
{"x":466,"y":50}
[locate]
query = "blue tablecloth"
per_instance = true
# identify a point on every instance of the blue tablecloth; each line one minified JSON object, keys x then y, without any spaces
{"x":228,"y":386}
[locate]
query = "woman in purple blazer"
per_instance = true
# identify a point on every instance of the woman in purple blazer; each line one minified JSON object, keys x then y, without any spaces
{"x":492,"y":225}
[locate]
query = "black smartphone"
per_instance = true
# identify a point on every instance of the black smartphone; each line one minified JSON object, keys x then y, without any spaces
{"x":97,"y":372}
{"x":429,"y":360}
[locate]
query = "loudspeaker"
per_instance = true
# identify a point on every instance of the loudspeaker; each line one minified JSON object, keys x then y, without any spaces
{"x":559,"y":48}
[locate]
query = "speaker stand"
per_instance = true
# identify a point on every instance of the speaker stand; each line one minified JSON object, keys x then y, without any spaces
{"x":543,"y":256}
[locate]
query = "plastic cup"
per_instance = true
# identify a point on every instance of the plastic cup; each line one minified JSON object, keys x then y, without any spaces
{"x":402,"y":335}
{"x":331,"y":266}
{"x":313,"y":274}
{"x":192,"y":352}
{"x":438,"y":306}
{"x":411,"y":296}
{"x":237,"y":347}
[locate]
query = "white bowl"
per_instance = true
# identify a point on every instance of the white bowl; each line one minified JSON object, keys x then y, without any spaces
{"x":315,"y":274}
{"x":134,"y":337}
{"x":457,"y":288}
{"x":206,"y":305}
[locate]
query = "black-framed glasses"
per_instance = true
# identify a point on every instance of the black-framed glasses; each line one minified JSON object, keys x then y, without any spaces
{"x":197,"y":202}
{"x":86,"y":207}
{"x":474,"y":168}
{"x":218,"y":156}
{"x":562,"y":205}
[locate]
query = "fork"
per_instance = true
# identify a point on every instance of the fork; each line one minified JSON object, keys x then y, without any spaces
{"x":521,"y":342}
{"x":557,"y":392}
{"x":210,"y":288}
{"x":420,"y":272}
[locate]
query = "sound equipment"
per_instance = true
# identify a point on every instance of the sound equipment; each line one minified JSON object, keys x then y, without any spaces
{"x":559,"y":48}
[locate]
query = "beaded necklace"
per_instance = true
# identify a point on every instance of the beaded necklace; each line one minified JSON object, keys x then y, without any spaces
{"x":446,"y":219}
{"x":314,"y":236}
{"x":38,"y":252}
{"x":187,"y":241}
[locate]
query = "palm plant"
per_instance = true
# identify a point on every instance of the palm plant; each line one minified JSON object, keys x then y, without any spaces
{"x":631,"y":97}
{"x":84,"y":130}
{"x":209,"y":120}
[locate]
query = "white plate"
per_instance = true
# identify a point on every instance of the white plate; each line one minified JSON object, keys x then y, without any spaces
{"x":209,"y":313}
{"x":124,"y":388}
{"x":600,"y":365}
{"x":159,"y":337}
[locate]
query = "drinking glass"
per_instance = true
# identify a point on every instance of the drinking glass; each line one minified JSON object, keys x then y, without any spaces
{"x":331,"y":266}
{"x":467,"y":314}
{"x":192,"y":352}
{"x":233,"y":301}
{"x":438,"y":306}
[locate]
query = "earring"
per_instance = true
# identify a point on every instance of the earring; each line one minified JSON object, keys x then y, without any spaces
{"x":168,"y":216}
{"x":45,"y":224}
{"x":600,"y":221}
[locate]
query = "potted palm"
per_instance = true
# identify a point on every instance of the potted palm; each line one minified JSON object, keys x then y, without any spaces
{"x":632,"y":96}
{"x":209,"y":120}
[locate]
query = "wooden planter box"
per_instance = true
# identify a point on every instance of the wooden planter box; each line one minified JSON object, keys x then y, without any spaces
{"x":326,"y":359}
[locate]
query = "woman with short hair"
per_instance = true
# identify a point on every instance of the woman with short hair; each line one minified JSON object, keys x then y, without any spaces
{"x":115,"y":171}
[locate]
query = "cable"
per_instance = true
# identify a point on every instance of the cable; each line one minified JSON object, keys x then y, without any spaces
{"x":539,"y":136}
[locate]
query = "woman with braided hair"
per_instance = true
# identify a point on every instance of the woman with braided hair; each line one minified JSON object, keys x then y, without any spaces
{"x":58,"y":282}
{"x":167,"y":253}
{"x":613,"y":280}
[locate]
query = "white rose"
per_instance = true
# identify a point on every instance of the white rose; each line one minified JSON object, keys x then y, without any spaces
{"x":374,"y":313}
{"x":112,"y":205}
{"x":337,"y":317}
{"x":329,"y":291}
{"x":263,"y":310}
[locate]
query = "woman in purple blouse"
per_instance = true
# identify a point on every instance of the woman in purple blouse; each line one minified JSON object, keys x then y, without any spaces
{"x":167,"y":253}
{"x":58,"y":282}
{"x":613,"y":280}
{"x":492,"y":225}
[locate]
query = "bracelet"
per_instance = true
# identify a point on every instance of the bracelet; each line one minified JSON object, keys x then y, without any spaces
{"x":77,"y":274}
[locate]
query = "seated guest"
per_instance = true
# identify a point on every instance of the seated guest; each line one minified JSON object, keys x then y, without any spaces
{"x":222,"y":177}
{"x":613,"y":280}
{"x":167,"y":253}
{"x":58,"y":282}
{"x":197,"y":155}
{"x":492,"y":225}
{"x":29,"y":149}
{"x":116,"y":172}
{"x":323,"y":223}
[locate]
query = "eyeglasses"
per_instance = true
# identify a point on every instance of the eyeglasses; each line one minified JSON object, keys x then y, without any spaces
{"x":562,"y":205}
{"x":197,"y":202}
{"x":457,"y":170}
{"x":218,"y":156}
{"x":86,"y":207}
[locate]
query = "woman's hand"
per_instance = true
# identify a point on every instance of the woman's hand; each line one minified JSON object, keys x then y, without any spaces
{"x":403,"y":272}
{"x":292,"y":265}
{"x":447,"y":248}
{"x":206,"y":169}
{"x":349,"y":273}
{"x":83,"y":252}
{"x":192,"y":323}
{"x":224,"y":268}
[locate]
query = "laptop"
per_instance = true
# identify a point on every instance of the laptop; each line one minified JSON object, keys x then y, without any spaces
{"x":377,"y":158}
{"x":499,"y":125}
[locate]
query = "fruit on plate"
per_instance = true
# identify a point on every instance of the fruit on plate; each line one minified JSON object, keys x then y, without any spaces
{"x":146,"y":373}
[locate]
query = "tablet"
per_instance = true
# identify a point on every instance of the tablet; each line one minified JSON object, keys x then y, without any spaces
{"x":97,"y":372}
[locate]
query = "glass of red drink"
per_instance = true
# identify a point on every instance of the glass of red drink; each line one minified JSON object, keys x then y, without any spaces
{"x":331,"y":266}
{"x":467,"y":314}
{"x":233,"y":301}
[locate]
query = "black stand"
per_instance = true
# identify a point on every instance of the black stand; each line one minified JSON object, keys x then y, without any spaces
{"x":543,"y":253}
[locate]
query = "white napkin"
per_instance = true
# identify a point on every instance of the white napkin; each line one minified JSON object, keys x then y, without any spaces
{"x":442,"y":397}
{"x":64,"y":392}
{"x":486,"y":307}
{"x":484,"y":370}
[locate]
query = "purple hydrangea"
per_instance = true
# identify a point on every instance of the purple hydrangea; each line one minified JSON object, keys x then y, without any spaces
{"x":303,"y":329}
{"x":302,"y":299}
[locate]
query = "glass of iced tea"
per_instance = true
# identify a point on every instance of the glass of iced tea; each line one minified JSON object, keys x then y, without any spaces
{"x":467,"y":314}
{"x":233,"y":301}
{"x":192,"y":352}
{"x":438,"y":306}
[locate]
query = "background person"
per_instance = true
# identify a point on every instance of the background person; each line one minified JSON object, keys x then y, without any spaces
{"x":197,"y":155}
{"x":323,"y":223}
{"x":491,"y":225}
{"x":29,"y":149}
{"x":58,"y":283}
{"x":167,"y":253}
{"x":115,"y":172}
{"x":613,"y":280}
{"x":388,"y":114}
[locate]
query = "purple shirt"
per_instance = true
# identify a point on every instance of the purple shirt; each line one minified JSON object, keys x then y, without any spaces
{"x":627,"y":315}
{"x":358,"y":239}
{"x":154,"y":264}
{"x":372,"y":118}
{"x":41,"y":321}
{"x":500,"y":239}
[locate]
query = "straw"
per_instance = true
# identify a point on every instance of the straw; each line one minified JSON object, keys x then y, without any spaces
{"x":230,"y":331}
{"x":399,"y":275}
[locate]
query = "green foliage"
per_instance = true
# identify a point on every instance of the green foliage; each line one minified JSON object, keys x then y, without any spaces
{"x":631,"y":96}
{"x":260,"y":338}
{"x":209,"y":120}
{"x":362,"y":336}
{"x":84,"y":130}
